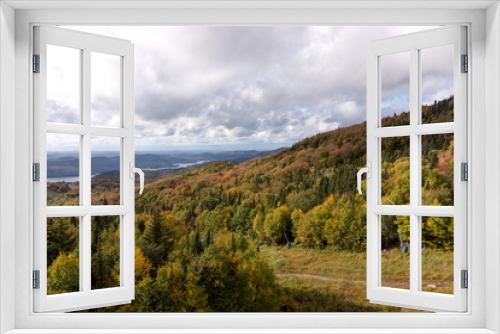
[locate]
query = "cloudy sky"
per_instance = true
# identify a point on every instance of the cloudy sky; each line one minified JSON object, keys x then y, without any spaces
{"x":250,"y":87}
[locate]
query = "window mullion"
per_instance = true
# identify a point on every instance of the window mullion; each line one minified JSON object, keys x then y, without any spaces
{"x":433,"y":129}
{"x":397,"y":131}
{"x":40,"y":155}
{"x":421,"y":129}
{"x":422,"y":210}
{"x":127,"y":239}
{"x":85,"y":160}
{"x":460,"y":155}
{"x":414,"y":172}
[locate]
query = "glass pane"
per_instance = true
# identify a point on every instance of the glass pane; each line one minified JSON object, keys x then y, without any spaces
{"x":395,"y":87}
{"x":105,"y":91}
{"x":63,"y":169}
{"x":395,"y":171}
{"x":105,"y":170}
{"x":437,"y":170}
{"x":105,"y":247}
{"x":63,"y":85}
{"x":63,"y":264}
{"x":437,"y":254}
{"x":437,"y":84}
{"x":395,"y":234}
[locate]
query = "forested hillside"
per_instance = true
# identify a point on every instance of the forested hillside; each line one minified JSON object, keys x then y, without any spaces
{"x":201,"y":235}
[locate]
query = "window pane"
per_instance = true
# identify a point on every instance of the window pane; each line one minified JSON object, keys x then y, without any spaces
{"x":63,"y":84}
{"x":395,"y":87}
{"x":105,"y":170}
{"x":105,"y":247}
{"x":437,"y":170}
{"x":63,"y":169}
{"x":395,"y":234}
{"x":437,"y":84}
{"x":395,"y":171}
{"x":437,"y":254}
{"x":105,"y":91}
{"x":63,"y":264}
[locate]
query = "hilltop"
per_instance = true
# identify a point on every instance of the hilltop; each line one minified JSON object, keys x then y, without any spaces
{"x":318,"y":166}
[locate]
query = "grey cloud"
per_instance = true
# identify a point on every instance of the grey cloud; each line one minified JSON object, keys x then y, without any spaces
{"x":252,"y":46}
{"x":58,"y":112}
{"x":255,"y":84}
{"x":105,"y":110}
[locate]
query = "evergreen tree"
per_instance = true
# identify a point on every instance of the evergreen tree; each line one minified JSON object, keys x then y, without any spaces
{"x":197,"y":244}
{"x":158,"y":241}
{"x":141,"y":225}
{"x":62,"y":237}
{"x":208,"y":239}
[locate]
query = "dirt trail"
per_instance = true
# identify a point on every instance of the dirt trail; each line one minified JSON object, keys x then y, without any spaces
{"x":391,"y":283}
{"x":320,"y":277}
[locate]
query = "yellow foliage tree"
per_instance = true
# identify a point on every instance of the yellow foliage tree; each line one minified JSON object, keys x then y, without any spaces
{"x":142,"y":265}
{"x":278,"y":225}
{"x":63,"y":274}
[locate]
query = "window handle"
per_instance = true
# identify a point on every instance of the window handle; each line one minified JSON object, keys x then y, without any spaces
{"x":368,"y":171}
{"x":139,"y":171}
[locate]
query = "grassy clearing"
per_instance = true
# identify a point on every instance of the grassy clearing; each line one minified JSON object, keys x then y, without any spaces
{"x":338,"y":264}
{"x":335,"y":281}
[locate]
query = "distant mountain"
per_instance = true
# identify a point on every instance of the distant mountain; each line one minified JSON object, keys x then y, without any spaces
{"x":149,"y":174}
{"x":63,"y":165}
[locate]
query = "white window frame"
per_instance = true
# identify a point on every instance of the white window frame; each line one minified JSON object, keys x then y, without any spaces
{"x":483,"y":248}
{"x":85,"y":298}
{"x":412,"y":44}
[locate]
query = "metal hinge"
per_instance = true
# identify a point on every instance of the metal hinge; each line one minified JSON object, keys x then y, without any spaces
{"x":464,"y":168}
{"x":36,"y":172}
{"x":36,"y":279}
{"x":465,"y":279}
{"x":465,"y":64}
{"x":36,"y":63}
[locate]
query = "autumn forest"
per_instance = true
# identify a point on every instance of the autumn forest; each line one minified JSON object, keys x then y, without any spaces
{"x":280,"y":233}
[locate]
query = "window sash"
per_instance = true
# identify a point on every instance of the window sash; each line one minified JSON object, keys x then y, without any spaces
{"x":86,"y":298}
{"x":414,"y":298}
